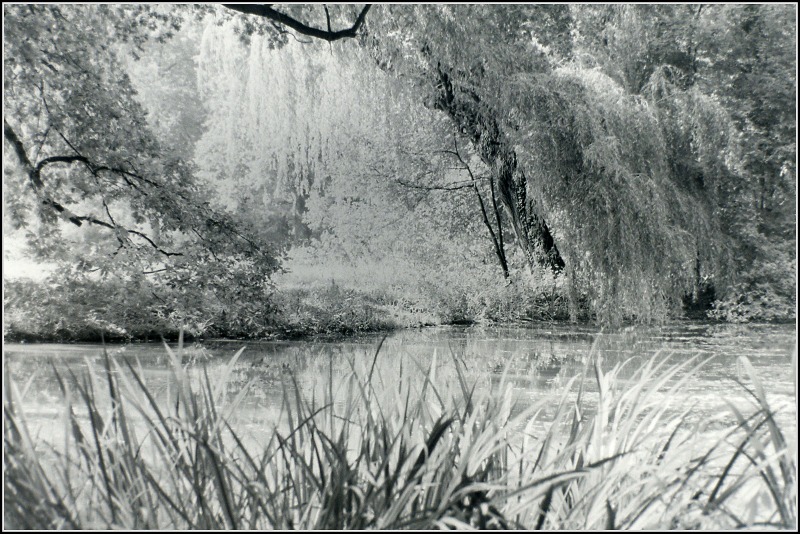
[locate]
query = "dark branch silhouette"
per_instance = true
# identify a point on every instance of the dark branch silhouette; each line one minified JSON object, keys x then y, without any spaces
{"x":267,"y":12}
{"x":498,"y":243}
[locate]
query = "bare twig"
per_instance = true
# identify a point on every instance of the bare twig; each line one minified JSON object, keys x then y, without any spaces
{"x":451,"y":187}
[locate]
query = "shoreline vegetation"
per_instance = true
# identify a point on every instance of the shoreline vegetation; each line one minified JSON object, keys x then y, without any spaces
{"x":35,"y":313}
{"x":316,"y":298}
{"x":425,"y":451}
{"x":312,"y":335}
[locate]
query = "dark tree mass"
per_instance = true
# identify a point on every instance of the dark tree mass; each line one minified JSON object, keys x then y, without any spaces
{"x":271,"y":170}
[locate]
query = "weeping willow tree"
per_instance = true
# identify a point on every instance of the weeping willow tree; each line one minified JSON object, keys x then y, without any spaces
{"x":634,"y":221}
{"x":614,"y":185}
{"x":321,"y":144}
{"x":285,"y":120}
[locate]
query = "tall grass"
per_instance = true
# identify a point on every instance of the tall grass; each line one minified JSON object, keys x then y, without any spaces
{"x":407,"y":451}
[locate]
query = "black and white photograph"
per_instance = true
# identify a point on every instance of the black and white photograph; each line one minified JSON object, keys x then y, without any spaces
{"x":400,"y":266}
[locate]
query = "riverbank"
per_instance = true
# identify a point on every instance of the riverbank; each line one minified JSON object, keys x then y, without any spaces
{"x":300,"y":308}
{"x":36,"y":313}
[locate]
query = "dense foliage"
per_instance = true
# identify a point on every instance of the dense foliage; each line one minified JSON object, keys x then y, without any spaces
{"x":81,"y":154}
{"x":590,"y":161}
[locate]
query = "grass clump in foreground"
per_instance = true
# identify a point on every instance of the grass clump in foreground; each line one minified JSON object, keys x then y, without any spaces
{"x":413,"y":453}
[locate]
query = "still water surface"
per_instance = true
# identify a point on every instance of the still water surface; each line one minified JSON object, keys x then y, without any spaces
{"x":535,"y":360}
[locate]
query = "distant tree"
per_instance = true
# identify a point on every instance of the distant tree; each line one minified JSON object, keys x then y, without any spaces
{"x":753,"y":65}
{"x":164,"y":76}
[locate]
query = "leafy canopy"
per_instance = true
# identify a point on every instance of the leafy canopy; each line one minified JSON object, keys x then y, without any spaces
{"x":83,"y":153}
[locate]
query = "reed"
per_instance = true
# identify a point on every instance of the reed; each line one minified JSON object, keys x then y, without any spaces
{"x":415,"y":451}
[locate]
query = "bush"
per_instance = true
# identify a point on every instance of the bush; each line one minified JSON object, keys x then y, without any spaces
{"x":327,"y":309}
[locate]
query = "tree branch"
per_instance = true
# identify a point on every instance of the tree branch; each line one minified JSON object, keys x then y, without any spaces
{"x":435,"y":187}
{"x":327,"y":17}
{"x":498,"y":244}
{"x":265,"y":11}
{"x":34,"y":177}
{"x":16,"y":144}
{"x":152,"y":243}
{"x":155,"y":271}
{"x":34,"y":172}
{"x":60,"y":159}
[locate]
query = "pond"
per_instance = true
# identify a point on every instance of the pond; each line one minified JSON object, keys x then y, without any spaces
{"x":535,"y":361}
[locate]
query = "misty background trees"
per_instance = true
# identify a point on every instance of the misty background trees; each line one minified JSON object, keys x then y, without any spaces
{"x":207,"y":168}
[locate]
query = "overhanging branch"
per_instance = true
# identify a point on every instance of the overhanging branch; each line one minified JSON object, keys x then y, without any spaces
{"x":34,"y":174}
{"x":35,"y":179}
{"x":267,"y":12}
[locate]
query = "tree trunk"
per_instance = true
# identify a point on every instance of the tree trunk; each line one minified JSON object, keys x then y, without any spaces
{"x":475,"y":121}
